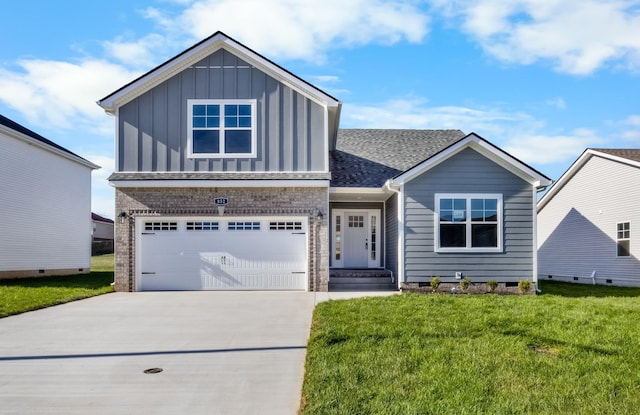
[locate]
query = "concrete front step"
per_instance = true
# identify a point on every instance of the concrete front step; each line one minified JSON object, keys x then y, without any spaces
{"x":359,"y":273}
{"x":362,"y":287}
{"x":361,"y":280}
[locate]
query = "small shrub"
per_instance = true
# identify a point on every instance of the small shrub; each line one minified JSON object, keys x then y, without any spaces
{"x":435,"y":282}
{"x":492,"y":284}
{"x":524,"y":286}
{"x":465,"y":283}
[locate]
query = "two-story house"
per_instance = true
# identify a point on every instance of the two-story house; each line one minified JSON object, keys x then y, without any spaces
{"x":232,"y":173}
{"x":45,"y":203}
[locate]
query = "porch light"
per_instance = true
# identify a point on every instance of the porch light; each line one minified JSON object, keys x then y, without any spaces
{"x":122,"y":216}
{"x":319,"y":216}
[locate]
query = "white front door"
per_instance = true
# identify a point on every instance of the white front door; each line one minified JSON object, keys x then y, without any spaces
{"x":355,"y":235}
{"x":356,"y":240}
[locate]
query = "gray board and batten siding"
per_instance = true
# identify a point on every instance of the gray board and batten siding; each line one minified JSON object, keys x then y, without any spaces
{"x":469,"y":172}
{"x":152,"y":130}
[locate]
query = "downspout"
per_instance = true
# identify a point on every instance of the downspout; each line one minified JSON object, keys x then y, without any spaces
{"x":397,"y":190}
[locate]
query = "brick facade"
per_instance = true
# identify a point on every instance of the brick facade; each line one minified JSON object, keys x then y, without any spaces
{"x":248,"y":201}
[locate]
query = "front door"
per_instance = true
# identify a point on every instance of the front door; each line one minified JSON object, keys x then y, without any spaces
{"x":355,"y":238}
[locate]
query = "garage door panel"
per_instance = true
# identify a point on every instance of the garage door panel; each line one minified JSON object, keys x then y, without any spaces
{"x":224,"y":259}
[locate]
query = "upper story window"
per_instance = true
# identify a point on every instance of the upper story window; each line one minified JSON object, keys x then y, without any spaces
{"x":468,"y":223}
{"x":623,"y":237}
{"x":222,"y":128}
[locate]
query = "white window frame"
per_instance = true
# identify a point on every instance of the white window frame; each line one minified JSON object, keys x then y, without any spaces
{"x":618,"y":240}
{"x":468,"y":222}
{"x":222,"y":128}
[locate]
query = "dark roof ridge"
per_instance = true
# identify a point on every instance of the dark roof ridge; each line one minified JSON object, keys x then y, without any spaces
{"x":24,"y":130}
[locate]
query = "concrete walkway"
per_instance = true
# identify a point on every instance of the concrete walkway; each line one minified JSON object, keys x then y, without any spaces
{"x":220,"y":353}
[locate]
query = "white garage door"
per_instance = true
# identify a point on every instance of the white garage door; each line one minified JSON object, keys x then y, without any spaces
{"x":222,"y":254}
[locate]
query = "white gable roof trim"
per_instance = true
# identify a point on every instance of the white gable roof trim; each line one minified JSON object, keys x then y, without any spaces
{"x":483,"y":147}
{"x":575,"y":167}
{"x":200,"y":51}
{"x":10,"y":132}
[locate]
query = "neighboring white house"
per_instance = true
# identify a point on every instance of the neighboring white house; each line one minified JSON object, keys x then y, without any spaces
{"x":102,"y":235}
{"x":589,"y":221}
{"x":45,"y":206}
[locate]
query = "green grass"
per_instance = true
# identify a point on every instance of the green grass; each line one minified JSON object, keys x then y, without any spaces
{"x":25,"y":294}
{"x":573,"y":350}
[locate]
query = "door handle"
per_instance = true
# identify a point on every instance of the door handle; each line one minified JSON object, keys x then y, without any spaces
{"x":366,"y":244}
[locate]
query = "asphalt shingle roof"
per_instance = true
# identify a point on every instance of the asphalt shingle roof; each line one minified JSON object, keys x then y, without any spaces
{"x":369,"y":157}
{"x":627,"y":153}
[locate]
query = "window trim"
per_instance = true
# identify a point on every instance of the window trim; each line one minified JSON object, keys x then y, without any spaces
{"x":222,"y":129}
{"x":618,"y":240}
{"x":468,"y":223}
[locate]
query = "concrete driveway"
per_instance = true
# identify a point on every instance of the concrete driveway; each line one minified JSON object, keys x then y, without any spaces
{"x":220,"y":353}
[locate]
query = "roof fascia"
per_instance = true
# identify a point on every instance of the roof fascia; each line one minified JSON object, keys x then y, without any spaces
{"x":44,"y":146}
{"x":198,"y":52}
{"x":615,"y":158}
{"x":575,"y":167}
{"x":483,"y":147}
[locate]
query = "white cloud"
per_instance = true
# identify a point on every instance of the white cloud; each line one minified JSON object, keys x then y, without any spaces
{"x":631,"y":130}
{"x":516,"y":132}
{"x":557,"y":103}
{"x":415,"y":113}
{"x":301,"y":29}
{"x":550,"y":149}
{"x":577,"y":37}
{"x":57,"y":94}
{"x":141,"y":53}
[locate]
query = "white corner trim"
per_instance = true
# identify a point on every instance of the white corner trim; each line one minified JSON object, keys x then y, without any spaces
{"x":534,"y":247}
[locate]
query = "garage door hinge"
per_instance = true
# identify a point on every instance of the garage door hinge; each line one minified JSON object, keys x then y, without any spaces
{"x":148,"y":233}
{"x":298,"y":233}
{"x":148,"y":273}
{"x":298,"y":272}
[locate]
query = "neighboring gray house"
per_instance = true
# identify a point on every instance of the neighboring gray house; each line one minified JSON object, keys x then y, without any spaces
{"x":45,"y":204}
{"x":588,"y":221}
{"x":232,"y":173}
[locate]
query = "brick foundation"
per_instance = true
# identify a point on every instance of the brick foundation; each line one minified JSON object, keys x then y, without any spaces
{"x":262,"y":201}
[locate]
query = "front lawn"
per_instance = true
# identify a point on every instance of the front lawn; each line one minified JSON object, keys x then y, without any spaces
{"x":575,"y":349}
{"x":25,"y":294}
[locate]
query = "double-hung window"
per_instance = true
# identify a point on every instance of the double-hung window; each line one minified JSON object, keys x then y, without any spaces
{"x":222,"y":128}
{"x":623,"y":238}
{"x":468,"y":223}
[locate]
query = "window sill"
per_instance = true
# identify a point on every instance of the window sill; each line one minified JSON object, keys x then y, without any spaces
{"x":469,"y":250}
{"x":222,"y":156}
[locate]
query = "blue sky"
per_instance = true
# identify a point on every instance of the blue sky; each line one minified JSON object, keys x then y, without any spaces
{"x":543,"y":79}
